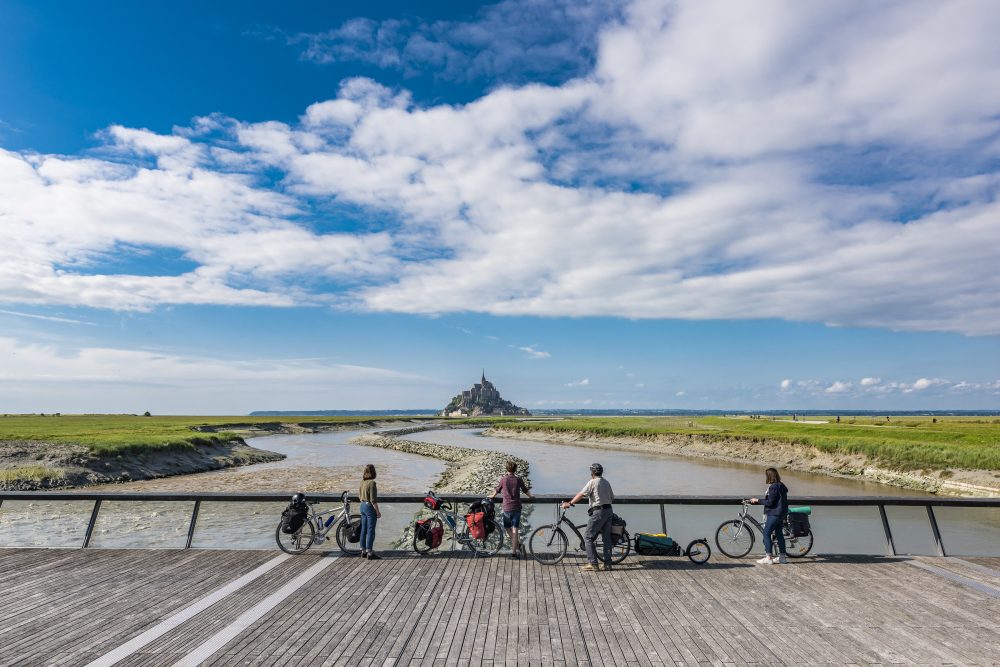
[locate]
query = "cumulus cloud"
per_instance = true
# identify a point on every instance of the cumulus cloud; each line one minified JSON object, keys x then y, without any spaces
{"x":838,"y":387}
{"x":681,"y":393}
{"x":510,"y":41}
{"x":870,"y":382}
{"x":785,"y":384}
{"x":815,"y":162}
{"x":579,"y":383}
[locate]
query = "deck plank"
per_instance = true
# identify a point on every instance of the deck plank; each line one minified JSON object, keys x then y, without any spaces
{"x":66,"y":607}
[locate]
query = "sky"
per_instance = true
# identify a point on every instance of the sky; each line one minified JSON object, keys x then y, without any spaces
{"x":215,"y":208}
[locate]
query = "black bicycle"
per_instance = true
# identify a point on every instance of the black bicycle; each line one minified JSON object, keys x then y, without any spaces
{"x":548,"y":544}
{"x":735,"y":537}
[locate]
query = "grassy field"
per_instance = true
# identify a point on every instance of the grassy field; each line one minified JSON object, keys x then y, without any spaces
{"x":903,"y":443}
{"x":117,"y":434}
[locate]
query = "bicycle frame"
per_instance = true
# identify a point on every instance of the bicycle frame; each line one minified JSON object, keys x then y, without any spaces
{"x":322,"y":528}
{"x":576,"y":529}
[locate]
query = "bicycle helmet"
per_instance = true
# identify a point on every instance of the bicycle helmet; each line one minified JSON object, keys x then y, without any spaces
{"x":597,"y":469}
{"x":299,"y":499}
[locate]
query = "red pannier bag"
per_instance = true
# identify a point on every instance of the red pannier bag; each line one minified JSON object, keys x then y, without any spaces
{"x":437,"y":534}
{"x":477,"y":525}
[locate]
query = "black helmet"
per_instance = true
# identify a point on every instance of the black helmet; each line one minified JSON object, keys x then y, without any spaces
{"x":597,"y":469}
{"x":299,"y":499}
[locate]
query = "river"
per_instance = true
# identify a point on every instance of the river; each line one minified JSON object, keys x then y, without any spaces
{"x":328,"y":462}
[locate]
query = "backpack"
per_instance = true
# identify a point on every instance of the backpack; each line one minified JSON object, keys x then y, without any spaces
{"x":293,"y":517}
{"x":617,"y":528}
{"x":656,"y":544}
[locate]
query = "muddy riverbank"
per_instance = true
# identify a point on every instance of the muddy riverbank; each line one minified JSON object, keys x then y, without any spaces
{"x":32,"y":466}
{"x":779,"y":454}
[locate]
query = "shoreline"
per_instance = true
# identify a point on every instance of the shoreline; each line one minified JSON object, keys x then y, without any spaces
{"x":42,"y":466}
{"x":967,"y":483}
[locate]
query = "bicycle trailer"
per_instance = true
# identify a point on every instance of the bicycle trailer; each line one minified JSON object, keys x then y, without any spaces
{"x":798,"y":521}
{"x":656,"y":544}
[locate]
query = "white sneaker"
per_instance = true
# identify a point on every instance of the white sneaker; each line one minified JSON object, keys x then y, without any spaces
{"x":766,"y":560}
{"x":782,"y":559}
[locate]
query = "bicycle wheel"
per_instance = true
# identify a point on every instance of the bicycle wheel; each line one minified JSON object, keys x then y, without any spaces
{"x":734,"y":538}
{"x":548,"y":544}
{"x":797,"y":547}
{"x":619,"y":550}
{"x":297,"y":542}
{"x":698,"y":551}
{"x":491,"y":544}
{"x":343,"y":528}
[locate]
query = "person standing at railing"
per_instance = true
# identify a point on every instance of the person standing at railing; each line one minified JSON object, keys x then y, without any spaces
{"x":370,"y":513}
{"x":599,"y":495}
{"x":775,"y":509}
{"x":510,"y":487}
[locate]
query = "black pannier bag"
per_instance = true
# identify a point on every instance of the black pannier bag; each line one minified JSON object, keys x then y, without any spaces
{"x":293,"y":517}
{"x":354,"y":536}
{"x":422,"y":531}
{"x":798,"y":524}
{"x":617,"y":528}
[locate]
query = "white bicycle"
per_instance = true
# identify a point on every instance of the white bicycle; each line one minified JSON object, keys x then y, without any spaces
{"x":317,"y":526}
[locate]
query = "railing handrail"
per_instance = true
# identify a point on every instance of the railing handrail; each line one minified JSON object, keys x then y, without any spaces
{"x":829,"y":501}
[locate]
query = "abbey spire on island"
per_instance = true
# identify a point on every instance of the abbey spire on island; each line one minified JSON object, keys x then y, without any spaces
{"x":482,"y":399}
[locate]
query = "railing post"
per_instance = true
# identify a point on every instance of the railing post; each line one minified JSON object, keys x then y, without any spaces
{"x":663,"y":519}
{"x":194,"y":520}
{"x":934,"y":528}
{"x":93,"y":522}
{"x":890,"y":546}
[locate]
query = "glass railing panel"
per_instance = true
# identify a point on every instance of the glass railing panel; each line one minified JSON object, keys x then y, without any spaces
{"x":237,"y":525}
{"x":969,"y":531}
{"x":133,"y":524}
{"x":44,"y":523}
{"x":847,"y":530}
{"x":911,"y":531}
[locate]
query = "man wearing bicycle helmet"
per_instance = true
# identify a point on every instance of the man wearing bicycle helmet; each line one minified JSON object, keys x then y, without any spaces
{"x":599,"y":497}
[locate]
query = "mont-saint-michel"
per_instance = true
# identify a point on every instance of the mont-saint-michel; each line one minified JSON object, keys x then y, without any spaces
{"x":483,"y":398}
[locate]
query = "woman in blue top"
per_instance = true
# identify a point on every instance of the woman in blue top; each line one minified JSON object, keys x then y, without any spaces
{"x":775,"y":508}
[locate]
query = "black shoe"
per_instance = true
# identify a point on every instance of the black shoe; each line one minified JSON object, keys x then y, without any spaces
{"x":374,"y":557}
{"x":513,"y":556}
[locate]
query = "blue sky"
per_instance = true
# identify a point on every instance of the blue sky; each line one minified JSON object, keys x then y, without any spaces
{"x":242,"y":206}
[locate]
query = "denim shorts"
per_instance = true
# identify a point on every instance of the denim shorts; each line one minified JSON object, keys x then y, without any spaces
{"x":512,"y":519}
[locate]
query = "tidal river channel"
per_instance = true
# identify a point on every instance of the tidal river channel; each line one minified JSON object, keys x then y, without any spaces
{"x":329,"y":463}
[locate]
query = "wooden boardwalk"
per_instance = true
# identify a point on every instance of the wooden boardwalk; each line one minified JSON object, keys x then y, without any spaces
{"x":143,"y":607}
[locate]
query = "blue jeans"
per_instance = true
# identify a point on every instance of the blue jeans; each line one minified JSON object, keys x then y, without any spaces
{"x":773,"y":525}
{"x":368,"y":521}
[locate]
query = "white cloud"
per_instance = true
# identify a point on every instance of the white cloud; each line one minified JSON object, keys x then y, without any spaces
{"x":47,"y":318}
{"x":838,"y":387}
{"x":870,"y":382}
{"x":681,"y":393}
{"x":813,"y":162}
{"x":109,"y":379}
{"x":531,"y":351}
{"x":926,"y":383}
{"x":579,"y":383}
{"x":786,"y":384}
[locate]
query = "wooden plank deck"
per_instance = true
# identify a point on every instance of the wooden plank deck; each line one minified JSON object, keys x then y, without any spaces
{"x":70,"y":607}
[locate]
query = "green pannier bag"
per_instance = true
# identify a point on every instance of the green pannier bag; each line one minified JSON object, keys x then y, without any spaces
{"x":656,"y":544}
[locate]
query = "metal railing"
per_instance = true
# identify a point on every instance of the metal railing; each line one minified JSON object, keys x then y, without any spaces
{"x":879,"y":502}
